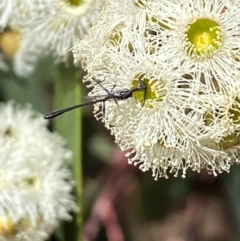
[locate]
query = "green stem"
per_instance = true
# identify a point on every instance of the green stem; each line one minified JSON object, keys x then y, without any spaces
{"x":68,"y":93}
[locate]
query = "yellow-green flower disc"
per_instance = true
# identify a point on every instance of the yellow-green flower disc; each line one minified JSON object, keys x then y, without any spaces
{"x":203,"y":39}
{"x":75,"y":2}
{"x":155,"y":90}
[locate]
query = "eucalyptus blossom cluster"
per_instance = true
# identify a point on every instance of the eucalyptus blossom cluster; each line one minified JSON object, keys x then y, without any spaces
{"x":47,"y":27}
{"x":35,"y":180}
{"x":187,"y":54}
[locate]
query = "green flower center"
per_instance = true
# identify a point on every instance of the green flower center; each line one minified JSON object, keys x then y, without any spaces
{"x":116,"y":38}
{"x":116,"y":35}
{"x":74,"y":2}
{"x":230,"y":141}
{"x":28,"y":183}
{"x":233,"y":114}
{"x":8,"y":132}
{"x":203,"y":39}
{"x":155,"y":90}
{"x":139,"y":4}
{"x":235,"y":111}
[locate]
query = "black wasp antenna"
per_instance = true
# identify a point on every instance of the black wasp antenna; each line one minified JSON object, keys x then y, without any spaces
{"x":116,"y":95}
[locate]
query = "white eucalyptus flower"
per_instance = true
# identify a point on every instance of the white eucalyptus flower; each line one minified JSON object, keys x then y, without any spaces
{"x":20,"y":123}
{"x":186,"y":54}
{"x":53,"y":27}
{"x":203,"y":36}
{"x":35,"y":181}
{"x":164,"y":161}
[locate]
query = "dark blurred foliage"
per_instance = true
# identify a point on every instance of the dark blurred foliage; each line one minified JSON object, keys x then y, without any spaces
{"x":123,"y":203}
